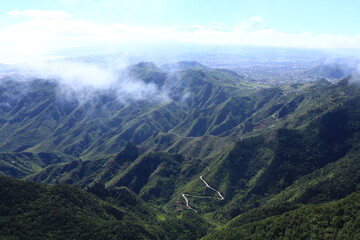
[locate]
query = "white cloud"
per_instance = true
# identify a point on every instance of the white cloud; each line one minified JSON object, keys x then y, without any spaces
{"x":81,"y":80}
{"x":254,"y":23}
{"x":78,"y":75}
{"x":40,"y":14}
{"x":44,"y":37}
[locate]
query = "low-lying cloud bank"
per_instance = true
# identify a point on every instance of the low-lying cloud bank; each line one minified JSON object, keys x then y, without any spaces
{"x":44,"y":34}
{"x":81,"y":80}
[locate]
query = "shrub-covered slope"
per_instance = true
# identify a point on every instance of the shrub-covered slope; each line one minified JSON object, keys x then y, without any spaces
{"x":335,"y":220}
{"x":267,"y":151}
{"x":34,"y":211}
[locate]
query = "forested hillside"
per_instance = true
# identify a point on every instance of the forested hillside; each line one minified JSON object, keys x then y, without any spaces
{"x":210,"y":153}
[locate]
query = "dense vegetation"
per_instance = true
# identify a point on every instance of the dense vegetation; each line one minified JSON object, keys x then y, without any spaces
{"x":280,"y":156}
{"x":335,"y":220}
{"x":34,"y":211}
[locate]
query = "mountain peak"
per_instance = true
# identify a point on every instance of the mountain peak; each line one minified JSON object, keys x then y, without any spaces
{"x":148,"y":65}
{"x":183,"y":66}
{"x":148,"y":72}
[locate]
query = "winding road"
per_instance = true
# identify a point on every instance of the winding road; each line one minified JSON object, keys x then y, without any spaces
{"x":187,"y":203}
{"x":207,"y":185}
{"x":221,"y":197}
{"x":277,"y":119}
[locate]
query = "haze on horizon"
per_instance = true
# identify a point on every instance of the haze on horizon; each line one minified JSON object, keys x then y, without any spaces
{"x":41,"y":30}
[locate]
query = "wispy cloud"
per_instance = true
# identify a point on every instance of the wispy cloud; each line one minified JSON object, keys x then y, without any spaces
{"x":80,"y":80}
{"x":40,"y":14}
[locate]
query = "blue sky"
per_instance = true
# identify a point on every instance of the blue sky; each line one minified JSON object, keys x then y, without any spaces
{"x":43,"y":28}
{"x":317,"y":16}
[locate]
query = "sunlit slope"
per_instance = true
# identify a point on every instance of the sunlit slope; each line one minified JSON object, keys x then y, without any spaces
{"x":36,"y":115}
{"x":21,"y":164}
{"x":266,"y":150}
{"x":288,"y":159}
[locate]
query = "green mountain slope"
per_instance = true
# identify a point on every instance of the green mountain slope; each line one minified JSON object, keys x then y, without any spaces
{"x":218,"y":149}
{"x":285,"y":137}
{"x":35,"y":211}
{"x":258,"y":168}
{"x":21,"y":164}
{"x":154,"y":176}
{"x":335,"y":220}
{"x":36,"y":118}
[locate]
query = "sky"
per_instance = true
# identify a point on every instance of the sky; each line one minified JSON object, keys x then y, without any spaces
{"x":32,"y":30}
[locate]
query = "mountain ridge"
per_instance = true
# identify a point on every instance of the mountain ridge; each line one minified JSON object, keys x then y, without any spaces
{"x":271,"y":151}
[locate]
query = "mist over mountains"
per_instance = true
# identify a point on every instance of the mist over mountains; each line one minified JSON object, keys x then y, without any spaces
{"x":337,"y":68}
{"x":257,"y":63}
{"x":146,"y":142}
{"x":177,"y":120}
{"x":142,"y":89}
